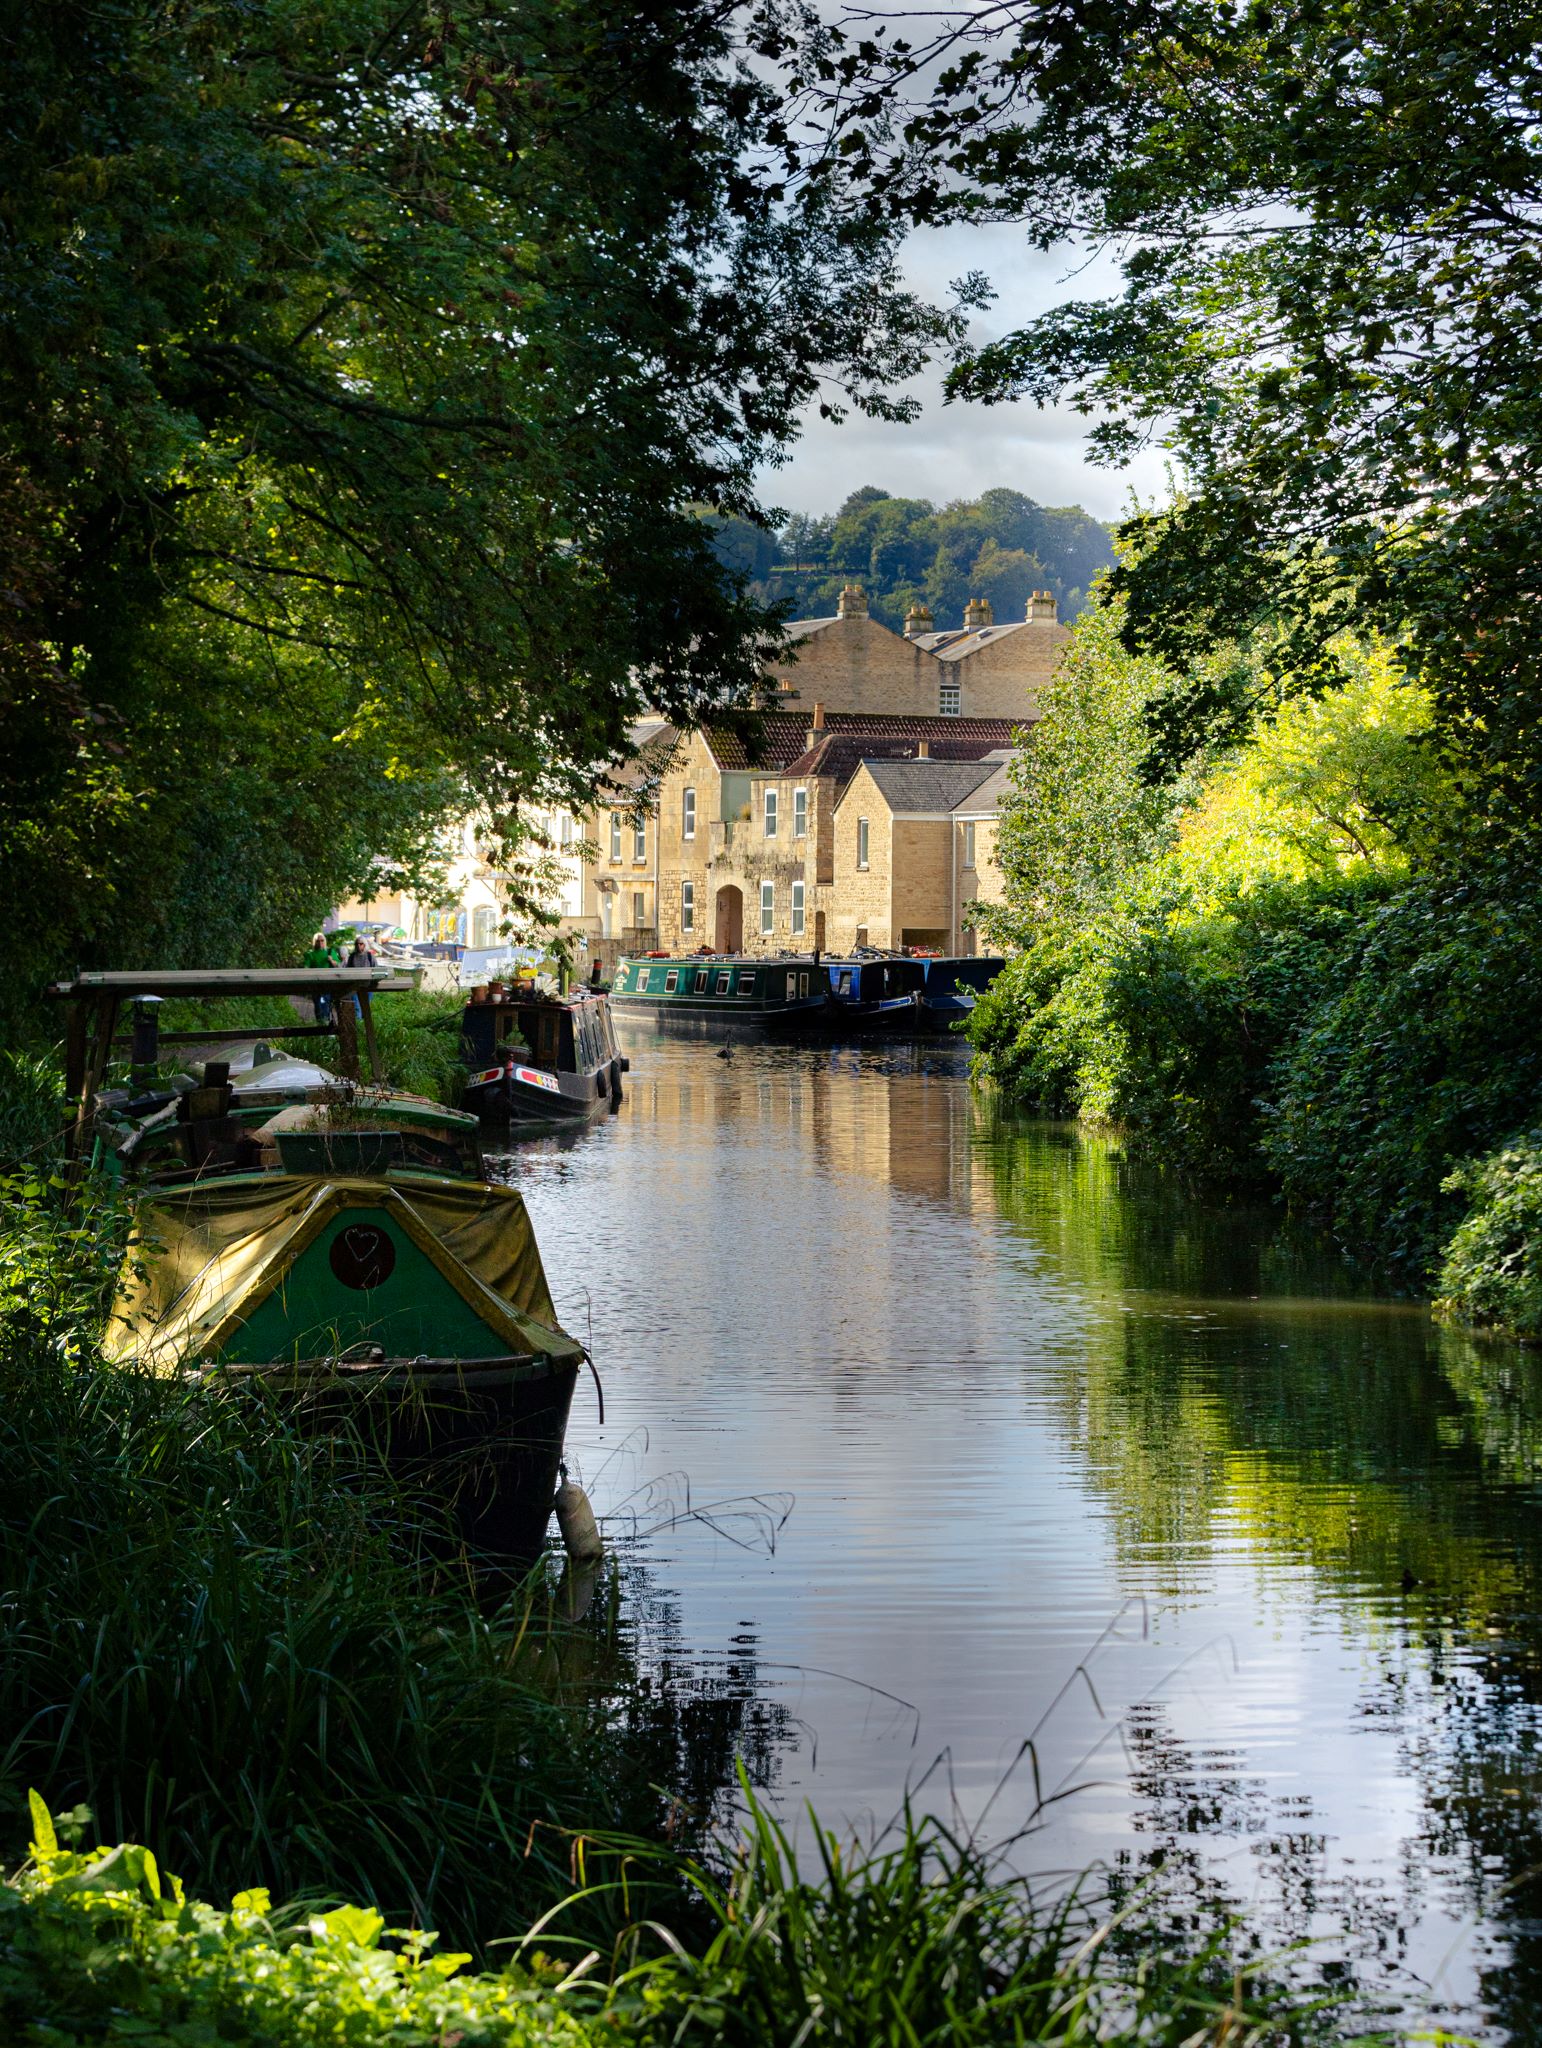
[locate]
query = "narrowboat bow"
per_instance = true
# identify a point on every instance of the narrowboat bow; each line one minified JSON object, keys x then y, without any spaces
{"x":533,"y":1060}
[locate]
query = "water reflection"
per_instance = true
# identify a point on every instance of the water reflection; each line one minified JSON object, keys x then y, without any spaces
{"x":1014,"y":1385}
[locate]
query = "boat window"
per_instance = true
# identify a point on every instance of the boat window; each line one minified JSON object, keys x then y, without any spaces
{"x":845,"y":981}
{"x":701,"y":981}
{"x":644,"y":975}
{"x":802,"y":984}
{"x":792,"y":986}
{"x":746,"y":981}
{"x":724,"y":983}
{"x":671,"y":981}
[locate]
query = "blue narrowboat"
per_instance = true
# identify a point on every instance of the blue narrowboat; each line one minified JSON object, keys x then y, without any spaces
{"x":952,"y":986}
{"x":878,"y":994}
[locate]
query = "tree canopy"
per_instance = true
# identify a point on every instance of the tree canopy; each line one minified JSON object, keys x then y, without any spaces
{"x":1327,"y":213}
{"x":360,"y":367}
{"x":904,"y":551}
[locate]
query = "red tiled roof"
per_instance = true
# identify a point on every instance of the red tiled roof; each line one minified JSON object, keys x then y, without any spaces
{"x":785,"y":735}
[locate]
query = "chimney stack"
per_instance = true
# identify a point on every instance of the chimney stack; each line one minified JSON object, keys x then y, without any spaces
{"x":918,"y":620}
{"x":978,"y":615}
{"x":853,"y":602}
{"x":923,"y":750}
{"x":1041,"y":605}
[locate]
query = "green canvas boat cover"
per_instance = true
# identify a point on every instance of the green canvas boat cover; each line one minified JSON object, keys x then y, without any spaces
{"x":205,"y":1257}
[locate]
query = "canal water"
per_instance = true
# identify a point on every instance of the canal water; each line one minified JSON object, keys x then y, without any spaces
{"x":1112,"y":1525}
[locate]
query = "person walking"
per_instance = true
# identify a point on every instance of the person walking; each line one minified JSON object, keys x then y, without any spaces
{"x":319,"y":954}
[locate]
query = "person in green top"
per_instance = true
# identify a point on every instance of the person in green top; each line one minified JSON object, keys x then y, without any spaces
{"x":319,"y":955}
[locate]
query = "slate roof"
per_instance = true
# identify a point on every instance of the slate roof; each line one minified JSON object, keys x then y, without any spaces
{"x":987,"y":799}
{"x":929,"y":787}
{"x":785,"y":737}
{"x":955,"y":644}
{"x":653,"y":744}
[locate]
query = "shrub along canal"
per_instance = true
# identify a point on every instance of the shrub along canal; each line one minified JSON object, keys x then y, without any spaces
{"x":1034,"y":1412}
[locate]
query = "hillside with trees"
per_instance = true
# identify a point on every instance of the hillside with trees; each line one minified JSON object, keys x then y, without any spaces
{"x":904,"y":551}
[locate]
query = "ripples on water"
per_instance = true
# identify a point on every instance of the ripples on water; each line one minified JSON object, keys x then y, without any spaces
{"x":1027,"y":1409}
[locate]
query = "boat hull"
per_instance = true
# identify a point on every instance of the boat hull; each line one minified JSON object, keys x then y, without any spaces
{"x":478,"y":1439}
{"x":533,"y":1099}
{"x":709,"y":1019}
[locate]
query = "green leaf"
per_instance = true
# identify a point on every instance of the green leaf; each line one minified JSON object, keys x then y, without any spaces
{"x":44,"y":1841}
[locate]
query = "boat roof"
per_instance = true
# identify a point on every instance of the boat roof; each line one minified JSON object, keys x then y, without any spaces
{"x":230,"y":981}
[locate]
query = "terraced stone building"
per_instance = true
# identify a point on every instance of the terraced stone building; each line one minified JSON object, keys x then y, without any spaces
{"x":851,"y":826}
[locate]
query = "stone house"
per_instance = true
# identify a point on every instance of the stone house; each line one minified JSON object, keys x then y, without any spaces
{"x":840,"y":831}
{"x":982,"y":670}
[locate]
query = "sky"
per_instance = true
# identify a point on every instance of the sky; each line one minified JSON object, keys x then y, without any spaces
{"x":958,"y":450}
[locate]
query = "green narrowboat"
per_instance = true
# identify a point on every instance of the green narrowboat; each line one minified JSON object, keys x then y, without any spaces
{"x":765,"y":992}
{"x":340,"y":1245}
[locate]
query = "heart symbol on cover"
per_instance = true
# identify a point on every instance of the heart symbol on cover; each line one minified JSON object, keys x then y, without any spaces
{"x":362,"y":1256}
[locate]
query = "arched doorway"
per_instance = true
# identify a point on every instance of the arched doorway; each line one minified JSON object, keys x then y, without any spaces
{"x":728,"y":931}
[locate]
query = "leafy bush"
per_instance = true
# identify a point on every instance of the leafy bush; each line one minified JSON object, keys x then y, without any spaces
{"x":1165,"y":1020}
{"x":95,"y":1946}
{"x":1425,"y":1056}
{"x":1492,"y":1270}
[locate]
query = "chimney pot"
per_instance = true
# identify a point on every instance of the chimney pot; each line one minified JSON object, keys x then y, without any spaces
{"x":819,"y":716}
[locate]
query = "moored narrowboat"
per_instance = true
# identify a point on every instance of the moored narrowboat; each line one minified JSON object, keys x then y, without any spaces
{"x":876,"y":993}
{"x":952,"y":985}
{"x":533,"y":1059}
{"x":766,"y":992}
{"x":340,"y":1245}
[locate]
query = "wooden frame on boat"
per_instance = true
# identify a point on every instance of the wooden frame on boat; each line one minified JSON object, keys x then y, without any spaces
{"x":96,"y":999}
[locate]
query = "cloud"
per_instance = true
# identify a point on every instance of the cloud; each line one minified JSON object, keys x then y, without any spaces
{"x":959,"y":450}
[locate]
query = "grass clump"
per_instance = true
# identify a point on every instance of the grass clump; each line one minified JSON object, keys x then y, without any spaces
{"x":419,"y":1040}
{"x":920,"y":1942}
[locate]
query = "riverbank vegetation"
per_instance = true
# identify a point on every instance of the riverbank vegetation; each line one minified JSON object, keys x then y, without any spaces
{"x":1285,"y":968}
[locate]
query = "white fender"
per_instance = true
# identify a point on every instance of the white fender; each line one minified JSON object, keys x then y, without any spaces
{"x":575,"y":1518}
